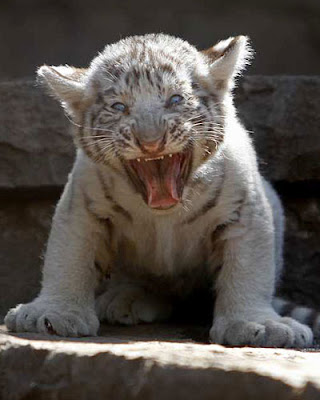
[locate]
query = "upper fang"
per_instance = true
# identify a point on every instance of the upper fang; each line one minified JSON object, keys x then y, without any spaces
{"x":138,"y":159}
{"x":170,"y":155}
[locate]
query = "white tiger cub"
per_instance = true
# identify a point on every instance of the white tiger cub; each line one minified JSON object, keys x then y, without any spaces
{"x":165,"y":196}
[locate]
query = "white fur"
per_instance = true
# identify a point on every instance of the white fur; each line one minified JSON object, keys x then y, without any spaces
{"x":166,"y":248}
{"x":231,"y":62}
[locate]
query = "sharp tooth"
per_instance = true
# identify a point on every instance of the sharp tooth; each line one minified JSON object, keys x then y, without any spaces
{"x":162,"y":157}
{"x":138,"y":159}
{"x":170,"y":155}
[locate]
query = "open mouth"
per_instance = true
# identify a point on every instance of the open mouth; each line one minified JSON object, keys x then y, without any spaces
{"x":161,"y":179}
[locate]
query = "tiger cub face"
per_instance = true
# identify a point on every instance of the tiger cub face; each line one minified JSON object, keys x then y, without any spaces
{"x":152,"y":106}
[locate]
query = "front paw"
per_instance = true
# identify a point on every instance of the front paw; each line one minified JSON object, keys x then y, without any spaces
{"x":51,"y":317}
{"x":277,"y":332}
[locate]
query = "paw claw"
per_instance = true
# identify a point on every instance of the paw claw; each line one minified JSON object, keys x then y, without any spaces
{"x":51,"y":318}
{"x":49,"y":327}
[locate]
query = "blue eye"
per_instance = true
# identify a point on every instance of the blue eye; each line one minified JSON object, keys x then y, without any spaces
{"x":119,"y":107}
{"x":175,"y":99}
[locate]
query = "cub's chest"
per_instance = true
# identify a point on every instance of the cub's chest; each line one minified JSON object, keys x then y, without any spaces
{"x":160,"y":246}
{"x":144,"y":241}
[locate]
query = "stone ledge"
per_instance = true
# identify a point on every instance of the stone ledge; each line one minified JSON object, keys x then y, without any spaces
{"x":36,"y":148}
{"x":283,"y":112}
{"x":119,"y":367}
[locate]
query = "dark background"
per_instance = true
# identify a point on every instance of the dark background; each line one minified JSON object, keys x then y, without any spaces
{"x":284,"y":33}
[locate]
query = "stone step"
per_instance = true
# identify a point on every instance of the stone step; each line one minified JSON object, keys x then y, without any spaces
{"x":151,"y":362}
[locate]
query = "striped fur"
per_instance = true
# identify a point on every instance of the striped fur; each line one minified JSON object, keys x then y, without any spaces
{"x":224,"y":232}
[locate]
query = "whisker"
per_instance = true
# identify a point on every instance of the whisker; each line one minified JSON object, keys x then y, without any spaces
{"x":94,"y":136}
{"x":206,"y":134}
{"x":206,"y":122}
{"x":87,"y":127}
{"x":207,"y":127}
{"x":205,"y":116}
{"x":87,"y":142}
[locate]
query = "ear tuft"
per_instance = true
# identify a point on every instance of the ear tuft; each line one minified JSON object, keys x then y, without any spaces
{"x":65,"y":83}
{"x":228,"y":58}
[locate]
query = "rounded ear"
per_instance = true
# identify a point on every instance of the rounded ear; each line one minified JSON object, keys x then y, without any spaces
{"x":227,"y":59}
{"x":67,"y":84}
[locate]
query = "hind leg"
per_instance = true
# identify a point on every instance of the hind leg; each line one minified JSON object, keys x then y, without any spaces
{"x":128,"y":303}
{"x":279,"y":226}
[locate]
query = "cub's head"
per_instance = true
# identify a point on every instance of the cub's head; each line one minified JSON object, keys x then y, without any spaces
{"x":152,"y":106}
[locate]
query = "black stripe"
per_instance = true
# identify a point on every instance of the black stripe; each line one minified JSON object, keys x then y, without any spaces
{"x":110,"y":229}
{"x":106,"y":222}
{"x":136,"y":73}
{"x":167,"y":68}
{"x":149,"y":77}
{"x":115,"y":206}
{"x":83,"y":142}
{"x":116,"y":72}
{"x":208,"y":206}
{"x":108,"y":92}
{"x":237,"y":211}
{"x":98,"y":267}
{"x":118,"y":209}
{"x":218,"y":231}
{"x":127,"y":78}
{"x":142,"y":54}
{"x":195,"y":86}
{"x":99,"y":99}
{"x":111,"y":237}
{"x":205,"y":101}
{"x":88,"y":202}
{"x":203,"y":210}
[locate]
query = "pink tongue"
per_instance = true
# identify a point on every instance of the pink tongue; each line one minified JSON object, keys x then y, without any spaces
{"x":160,"y":178}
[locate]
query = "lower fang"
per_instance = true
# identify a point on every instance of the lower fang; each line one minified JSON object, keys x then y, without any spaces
{"x":170,"y":155}
{"x":138,"y":159}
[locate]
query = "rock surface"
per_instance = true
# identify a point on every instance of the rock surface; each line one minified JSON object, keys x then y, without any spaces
{"x":165,"y":364}
{"x":35,"y":146}
{"x":301,"y":280}
{"x":283,"y":114}
{"x":24,"y":226}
